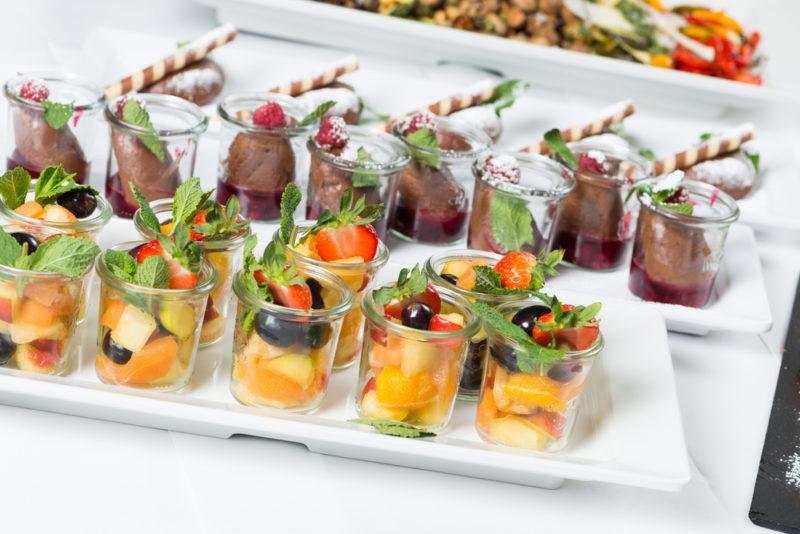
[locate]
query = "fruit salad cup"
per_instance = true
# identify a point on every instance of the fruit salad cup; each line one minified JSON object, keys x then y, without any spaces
{"x":282,"y":357}
{"x":34,"y":142}
{"x":516,"y":201}
{"x":595,"y":227}
{"x":530,"y":410}
{"x":148,"y":337}
{"x":411,"y":374}
{"x":224,"y":255}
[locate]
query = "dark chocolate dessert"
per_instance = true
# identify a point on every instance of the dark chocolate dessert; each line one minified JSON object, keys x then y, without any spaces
{"x":329,"y":182}
{"x":200,"y":82}
{"x":136,"y":163}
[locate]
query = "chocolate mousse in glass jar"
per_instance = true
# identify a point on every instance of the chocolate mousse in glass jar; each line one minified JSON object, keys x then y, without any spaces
{"x":596,"y":224}
{"x":261,"y":150}
{"x":434,"y":191}
{"x":53,"y":119}
{"x":153,"y":144}
{"x":516,"y":201}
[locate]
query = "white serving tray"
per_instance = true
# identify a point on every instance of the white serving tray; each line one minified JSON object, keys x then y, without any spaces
{"x":629,"y":432}
{"x":739,"y":301}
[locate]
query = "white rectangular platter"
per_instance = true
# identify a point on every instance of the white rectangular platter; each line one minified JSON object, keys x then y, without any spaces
{"x":629,"y":431}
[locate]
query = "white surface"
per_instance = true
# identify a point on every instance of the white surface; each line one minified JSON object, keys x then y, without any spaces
{"x":96,"y":477}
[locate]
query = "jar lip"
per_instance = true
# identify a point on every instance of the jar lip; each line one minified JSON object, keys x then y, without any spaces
{"x":165,"y":205}
{"x":170,"y":102}
{"x":98,"y":219}
{"x":478,"y":140}
{"x":563,"y":177}
{"x":334,"y":312}
{"x":380,"y":259}
{"x":642,"y":167}
{"x":471,"y":322}
{"x":97,"y":102}
{"x":49,"y":232}
{"x":365,"y":136}
{"x":291,"y":106}
{"x":698,"y":188}
{"x":208,"y":277}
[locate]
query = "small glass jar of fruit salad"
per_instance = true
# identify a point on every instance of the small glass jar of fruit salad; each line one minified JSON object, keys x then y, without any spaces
{"x":516,"y":201}
{"x":153,"y":146}
{"x":434,"y":191}
{"x":219,"y":233}
{"x":503,"y":279}
{"x":262,"y":148}
{"x":595,"y":226}
{"x":152,"y":301}
{"x":416,"y":339}
{"x":54,"y":117}
{"x":345,"y":157}
{"x":287,"y":325}
{"x":42,"y":278}
{"x":539,"y":362}
{"x":680,"y":240}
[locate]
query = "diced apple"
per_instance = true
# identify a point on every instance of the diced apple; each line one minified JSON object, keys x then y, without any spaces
{"x":25,"y":332}
{"x":296,"y":367}
{"x":455,"y":318}
{"x":258,"y":348}
{"x":134,"y":328}
{"x":57,"y":213}
{"x":417,"y":356}
{"x":178,"y":317}
{"x":516,"y":432}
{"x":370,"y":407}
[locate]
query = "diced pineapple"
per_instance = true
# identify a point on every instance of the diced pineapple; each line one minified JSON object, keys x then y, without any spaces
{"x":517,"y":432}
{"x":258,"y":348}
{"x":134,"y":328}
{"x":178,"y":317}
{"x":418,"y":356}
{"x":296,"y":367}
{"x":370,"y":407}
{"x":26,"y":332}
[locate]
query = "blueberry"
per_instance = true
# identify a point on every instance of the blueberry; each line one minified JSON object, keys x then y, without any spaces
{"x":114,"y":351}
{"x":80,"y":202}
{"x":274,"y":331}
{"x":316,"y":335}
{"x":505,"y":356}
{"x":317,"y":302}
{"x":417,"y":315}
{"x":526,"y":317}
{"x":565,"y":371}
{"x":23,"y":238}
{"x":453,"y":279}
{"x":7,"y":348}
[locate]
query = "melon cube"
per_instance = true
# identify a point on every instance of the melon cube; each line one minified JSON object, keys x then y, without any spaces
{"x":134,"y":328}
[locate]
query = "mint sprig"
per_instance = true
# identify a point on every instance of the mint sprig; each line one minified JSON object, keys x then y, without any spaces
{"x":754,"y":157}
{"x":559,"y":147}
{"x":489,"y":282}
{"x":54,"y":181}
{"x":511,"y":222}
{"x":394,"y":428}
{"x":221,"y":223}
{"x":65,"y":255}
{"x":660,"y":197}
{"x":357,"y":213}
{"x":577,"y":317}
{"x":363,"y":177}
{"x":57,"y":115}
{"x":290,"y":199}
{"x":133,"y":113}
{"x":424,"y":147}
{"x":317,"y":114}
{"x":647,"y":154}
{"x":505,"y":94}
{"x":153,"y":272}
{"x":383,"y":117}
{"x":409,"y":283}
{"x":146,"y":213}
{"x":10,"y":249}
{"x":189,"y":198}
{"x":14,"y":187}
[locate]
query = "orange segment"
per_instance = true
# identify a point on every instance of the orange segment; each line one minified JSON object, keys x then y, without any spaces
{"x":536,"y":391}
{"x":111,"y":315}
{"x":258,"y":380}
{"x":393,"y":388}
{"x":148,"y":365}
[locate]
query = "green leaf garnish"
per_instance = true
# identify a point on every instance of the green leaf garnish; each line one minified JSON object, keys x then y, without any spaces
{"x":660,"y":197}
{"x":424,"y":147}
{"x":647,"y":154}
{"x":409,"y":283}
{"x":356,"y":213}
{"x":364,"y":177}
{"x":755,"y":159}
{"x":488,"y":281}
{"x":121,"y":264}
{"x":146,"y":213}
{"x":14,"y":187}
{"x":133,"y":113}
{"x":10,"y":249}
{"x":559,"y":147}
{"x":511,"y":220}
{"x":65,"y":255}
{"x":705,"y":136}
{"x":383,"y":117}
{"x":54,"y":181}
{"x":317,"y":114}
{"x":394,"y":428}
{"x":577,"y":317}
{"x":57,"y":115}
{"x":290,"y":199}
{"x":188,"y":200}
{"x":505,"y":94}
{"x":221,"y":223}
{"x":153,"y":272}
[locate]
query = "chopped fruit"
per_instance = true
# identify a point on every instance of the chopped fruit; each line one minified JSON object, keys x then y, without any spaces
{"x":456,"y":268}
{"x":34,"y":90}
{"x":6,"y":310}
{"x":114,"y":351}
{"x":332,"y":133}
{"x":296,"y":296}
{"x":212,"y":330}
{"x":134,"y":328}
{"x":466,"y":280}
{"x":417,"y":356}
{"x":274,"y":331}
{"x":515,"y":431}
{"x":58,"y":297}
{"x":347,"y":242}
{"x":551,"y":423}
{"x":570,"y":331}
{"x":200,"y":218}
{"x":487,"y":409}
{"x":153,"y":362}
{"x":36,"y":314}
{"x":180,"y":277}
{"x":31,"y":209}
{"x":269,"y":115}
{"x":80,"y":203}
{"x":526,"y":317}
{"x":370,"y":407}
{"x":296,"y":367}
{"x":417,"y":315}
{"x":153,"y":248}
{"x":434,"y":412}
{"x":254,"y":375}
{"x":210,"y":313}
{"x":447,"y":322}
{"x":25,"y":333}
{"x":536,"y":391}
{"x":29,"y":358}
{"x":504,"y":168}
{"x":430,"y":297}
{"x":178,"y":317}
{"x":385,"y":356}
{"x":59,"y":214}
{"x":395,"y":389}
{"x":257,"y":347}
{"x":112,"y":313}
{"x":515,"y":269}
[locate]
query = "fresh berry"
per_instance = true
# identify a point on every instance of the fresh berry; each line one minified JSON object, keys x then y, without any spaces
{"x":526,"y":317}
{"x":180,"y":277}
{"x":565,"y":371}
{"x":440,"y":323}
{"x":417,"y":315}
{"x":345,"y":242}
{"x":332,"y":133}
{"x":269,"y":115}
{"x":114,"y":351}
{"x":429,"y":296}
{"x":587,"y":163}
{"x":680,"y":196}
{"x":570,"y":330}
{"x":274,"y":331}
{"x":7,"y":348}
{"x":453,"y":279}
{"x":26,"y":238}
{"x":153,"y":248}
{"x":200,"y":218}
{"x":296,"y":296}
{"x":34,"y":90}
{"x":314,"y":335}
{"x":317,"y":302}
{"x":417,"y":121}
{"x":80,"y":203}
{"x":515,"y":269}
{"x":504,"y":168}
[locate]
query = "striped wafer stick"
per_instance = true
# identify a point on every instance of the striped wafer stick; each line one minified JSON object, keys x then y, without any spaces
{"x":318,"y":79}
{"x":186,"y":55}
{"x":724,"y":143}
{"x":613,"y":114}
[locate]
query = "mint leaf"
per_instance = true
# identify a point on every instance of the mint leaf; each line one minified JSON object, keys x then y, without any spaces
{"x":383,"y":117}
{"x":505,"y":94}
{"x":512,"y":223}
{"x":486,"y":279}
{"x":290,"y":199}
{"x":121,"y":264}
{"x":409,"y":283}
{"x":706,"y":136}
{"x":424,"y":147}
{"x":65,"y":255}
{"x":153,"y":272}
{"x":133,"y":113}
{"x":10,"y":249}
{"x":363,"y":177}
{"x":57,"y":115}
{"x":317,"y":114}
{"x":755,"y":159}
{"x":647,"y":154}
{"x":54,"y":181}
{"x":14,"y":187}
{"x":188,"y":200}
{"x":556,"y":143}
{"x":394,"y":428}
{"x":682,"y":207}
{"x":146,"y":213}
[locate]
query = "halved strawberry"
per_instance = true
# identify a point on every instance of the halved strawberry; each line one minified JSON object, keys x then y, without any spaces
{"x":439,"y":323}
{"x":153,"y":248}
{"x":347,"y":242}
{"x":292,"y":295}
{"x":180,"y":277}
{"x":574,"y":337}
{"x":200,"y":218}
{"x":430,"y":297}
{"x":515,"y":269}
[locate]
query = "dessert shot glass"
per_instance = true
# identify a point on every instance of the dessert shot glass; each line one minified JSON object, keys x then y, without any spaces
{"x":411,"y":375}
{"x":148,"y":337}
{"x":32,"y":143}
{"x":508,"y":216}
{"x":595,"y":226}
{"x":370,"y":163}
{"x":433,"y":201}
{"x":676,"y":256}
{"x":256,"y":162}
{"x":282,"y":357}
{"x":535,"y":411}
{"x":177,"y":127}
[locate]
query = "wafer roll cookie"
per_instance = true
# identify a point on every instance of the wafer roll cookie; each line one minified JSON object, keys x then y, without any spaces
{"x":725,"y":143}
{"x":317,"y":80}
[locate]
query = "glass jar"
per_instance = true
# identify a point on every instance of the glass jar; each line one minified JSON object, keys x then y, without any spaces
{"x":676,"y":257}
{"x":595,"y":226}
{"x":147,"y":337}
{"x":33,"y":144}
{"x":535,"y":411}
{"x":470,"y":385}
{"x":224,"y":255}
{"x":282,"y":357}
{"x":433,"y":202}
{"x":411,"y":375}
{"x":360,"y":277}
{"x":255,"y":162}
{"x":38,"y":315}
{"x":178,"y":126}
{"x":507,"y":217}
{"x":333,"y":172}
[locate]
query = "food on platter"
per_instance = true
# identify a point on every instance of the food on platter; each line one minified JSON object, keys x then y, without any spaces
{"x":680,"y":240}
{"x":200,"y":82}
{"x":325,"y":86}
{"x":219,"y":233}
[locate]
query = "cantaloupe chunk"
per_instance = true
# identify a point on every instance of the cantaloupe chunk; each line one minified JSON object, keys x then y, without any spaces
{"x":34,"y":313}
{"x":146,"y":366}
{"x":112,"y":313}
{"x":31,"y":209}
{"x":60,"y":214}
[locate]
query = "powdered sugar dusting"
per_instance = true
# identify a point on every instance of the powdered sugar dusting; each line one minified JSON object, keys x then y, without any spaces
{"x":187,"y":80}
{"x":34,"y":90}
{"x":346,"y":100}
{"x":731,"y":171}
{"x":504,"y":168}
{"x":332,"y":133}
{"x":417,"y":121}
{"x":671,"y":181}
{"x":598,"y":156}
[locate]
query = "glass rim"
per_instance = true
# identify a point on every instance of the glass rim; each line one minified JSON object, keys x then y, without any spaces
{"x":620,"y":152}
{"x":703,"y":189}
{"x":375,"y":138}
{"x":168,"y":102}
{"x":285,"y":101}
{"x":535,"y":162}
{"x":55,"y":76}
{"x":472,"y":134}
{"x":380,"y":259}
{"x":97,"y":220}
{"x":7,"y":269}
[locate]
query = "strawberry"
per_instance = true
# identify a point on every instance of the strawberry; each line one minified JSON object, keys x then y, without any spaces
{"x":180,"y":277}
{"x":200,"y":218}
{"x":276,"y":277}
{"x":260,"y":276}
{"x":441,"y":324}
{"x":515,"y":269}
{"x":572,"y":326}
{"x":296,"y":296}
{"x":153,"y":248}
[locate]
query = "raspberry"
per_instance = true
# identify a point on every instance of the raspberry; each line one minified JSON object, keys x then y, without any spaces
{"x":680,"y":196}
{"x":332,"y":133}
{"x":587,"y":163}
{"x":417,"y":121}
{"x":504,"y":168}
{"x":269,"y":115}
{"x":34,"y":90}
